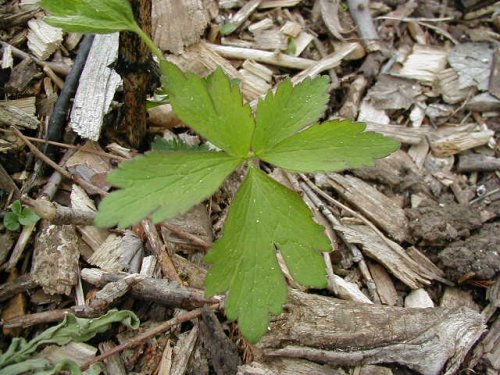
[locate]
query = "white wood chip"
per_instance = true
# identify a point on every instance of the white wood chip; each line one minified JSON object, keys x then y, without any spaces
{"x":424,"y":63}
{"x":97,"y":87}
{"x":43,"y":39}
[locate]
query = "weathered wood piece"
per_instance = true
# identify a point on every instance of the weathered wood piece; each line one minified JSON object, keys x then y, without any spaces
{"x":97,"y":87}
{"x":478,"y":163}
{"x":156,"y":290}
{"x":43,"y":39}
{"x":55,"y":259}
{"x":405,"y":135}
{"x":287,"y":366}
{"x":385,"y":287}
{"x":382,"y":211}
{"x":424,"y":63}
{"x":241,"y":16}
{"x":114,"y":364}
{"x":13,"y":116}
{"x":178,"y":23}
{"x":418,"y":298}
{"x":183,"y":350}
{"x":348,"y":333}
{"x":390,"y":254}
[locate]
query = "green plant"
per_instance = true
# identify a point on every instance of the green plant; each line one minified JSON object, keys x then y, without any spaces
{"x":18,"y":216}
{"x":17,"y":359}
{"x":264,"y":216}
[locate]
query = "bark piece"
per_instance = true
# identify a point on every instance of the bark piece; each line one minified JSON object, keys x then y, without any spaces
{"x":178,"y":23}
{"x":270,"y":39}
{"x":454,"y":297}
{"x":353,"y":98}
{"x":385,"y":287}
{"x":256,"y":80}
{"x":484,"y":102}
{"x":114,"y":364}
{"x":78,"y":352}
{"x":97,"y":87}
{"x":472,"y":62}
{"x":352,"y":334}
{"x":90,"y":166}
{"x":478,"y":163}
{"x":382,"y":211}
{"x":55,"y":259}
{"x":116,"y":252}
{"x":287,"y":366}
{"x":495,"y":74}
{"x":183,"y":350}
{"x":22,"y":76}
{"x":222,"y":352}
{"x":13,"y":116}
{"x":478,"y":254}
{"x":437,"y":225}
{"x":393,"y":92}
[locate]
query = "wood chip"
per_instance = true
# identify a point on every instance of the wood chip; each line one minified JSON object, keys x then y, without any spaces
{"x":385,"y":287}
{"x":55,"y":259}
{"x":459,"y":141}
{"x":43,"y":39}
{"x":382,"y":211}
{"x":173,"y":33}
{"x":418,"y":298}
{"x":424,"y":63}
{"x":97,"y":87}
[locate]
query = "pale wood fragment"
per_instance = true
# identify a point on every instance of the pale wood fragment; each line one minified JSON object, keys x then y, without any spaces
{"x":330,"y":14}
{"x":242,"y":15}
{"x":97,"y":87}
{"x":382,"y":211}
{"x":270,"y":39}
{"x":402,"y":134}
{"x":290,"y":28}
{"x":449,"y":86}
{"x":256,"y":80}
{"x":348,"y":333}
{"x":418,"y":298}
{"x":424,"y":63}
{"x":268,"y":4}
{"x":478,"y":163}
{"x":55,"y":259}
{"x":178,"y":23}
{"x":328,"y":62}
{"x":79,"y":352}
{"x":354,"y":95}
{"x":264,"y":24}
{"x":301,"y":43}
{"x":455,"y":297}
{"x":459,"y":141}
{"x":266,"y":57}
{"x":43,"y":39}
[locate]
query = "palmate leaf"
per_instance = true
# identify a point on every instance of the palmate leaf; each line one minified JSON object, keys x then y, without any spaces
{"x":163,"y":185}
{"x":264,"y":216}
{"x":331,"y":146}
{"x":212,"y":106}
{"x":290,"y":109}
{"x":91,"y":16}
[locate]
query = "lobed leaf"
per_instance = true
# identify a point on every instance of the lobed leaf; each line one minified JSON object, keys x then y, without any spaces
{"x":212,"y":106}
{"x":290,"y":109}
{"x":331,"y":146}
{"x":264,"y":216}
{"x":90,"y":16}
{"x":163,"y":185}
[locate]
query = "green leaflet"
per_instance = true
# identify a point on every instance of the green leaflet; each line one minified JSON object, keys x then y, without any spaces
{"x":91,"y":16}
{"x":331,"y":146}
{"x":244,"y":260}
{"x":163,"y":185}
{"x":211,"y":106}
{"x":289,"y":110}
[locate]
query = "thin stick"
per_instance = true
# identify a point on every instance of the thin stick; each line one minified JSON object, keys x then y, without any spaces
{"x":57,"y":167}
{"x":179,"y":319}
{"x":71,"y":147}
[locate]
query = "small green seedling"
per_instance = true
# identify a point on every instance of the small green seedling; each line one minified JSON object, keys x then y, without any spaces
{"x":18,"y":216}
{"x":265,"y":217}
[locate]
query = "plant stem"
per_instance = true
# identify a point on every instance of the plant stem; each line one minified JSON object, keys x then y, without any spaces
{"x":147,"y":40}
